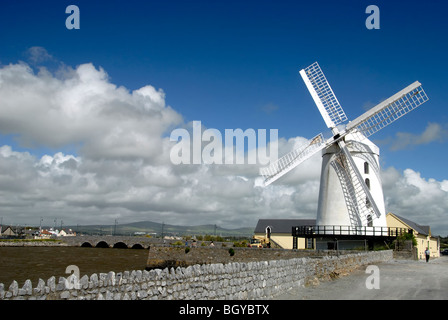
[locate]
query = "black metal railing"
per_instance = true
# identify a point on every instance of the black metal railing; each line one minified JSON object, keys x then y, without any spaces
{"x":304,"y":231}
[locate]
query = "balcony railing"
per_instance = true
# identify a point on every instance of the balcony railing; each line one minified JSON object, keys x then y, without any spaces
{"x":313,"y":231}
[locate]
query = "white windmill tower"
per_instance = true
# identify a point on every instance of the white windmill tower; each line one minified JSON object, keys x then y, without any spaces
{"x":350,"y":186}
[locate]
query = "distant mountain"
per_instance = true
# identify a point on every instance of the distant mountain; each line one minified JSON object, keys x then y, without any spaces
{"x":150,"y":227}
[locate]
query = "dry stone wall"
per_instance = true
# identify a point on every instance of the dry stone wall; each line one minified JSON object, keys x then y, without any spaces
{"x":233,"y":280}
{"x":180,"y":256}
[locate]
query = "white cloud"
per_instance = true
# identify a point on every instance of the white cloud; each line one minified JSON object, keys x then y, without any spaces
{"x":122,"y":168}
{"x":424,"y":201}
{"x":433,"y":132}
{"x":38,"y":55}
{"x":83,"y":109}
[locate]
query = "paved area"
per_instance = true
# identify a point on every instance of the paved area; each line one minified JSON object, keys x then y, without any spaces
{"x":397,"y":280}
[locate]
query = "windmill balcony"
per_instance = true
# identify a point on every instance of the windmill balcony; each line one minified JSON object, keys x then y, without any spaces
{"x":347,"y":231}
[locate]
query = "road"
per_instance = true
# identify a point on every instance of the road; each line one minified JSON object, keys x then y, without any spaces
{"x":395,"y":280}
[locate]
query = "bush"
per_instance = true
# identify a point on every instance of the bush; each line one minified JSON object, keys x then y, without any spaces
{"x":187,"y":249}
{"x":242,"y":244}
{"x":231,"y":252}
{"x":407,"y":236}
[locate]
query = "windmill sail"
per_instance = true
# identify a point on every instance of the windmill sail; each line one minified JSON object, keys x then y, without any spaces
{"x":340,"y":166}
{"x":359,"y":191}
{"x":389,"y":110}
{"x":362,"y":208}
{"x":323,"y":95}
{"x":292,"y":160}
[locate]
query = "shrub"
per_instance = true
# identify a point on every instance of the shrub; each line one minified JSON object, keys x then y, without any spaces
{"x":243,"y":243}
{"x":187,"y":249}
{"x":231,"y":252}
{"x":407,"y":236}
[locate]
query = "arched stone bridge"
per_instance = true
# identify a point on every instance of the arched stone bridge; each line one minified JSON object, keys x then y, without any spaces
{"x":110,"y":241}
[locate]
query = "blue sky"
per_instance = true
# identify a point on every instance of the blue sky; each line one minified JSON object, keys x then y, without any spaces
{"x":235,"y":64}
{"x":224,"y":62}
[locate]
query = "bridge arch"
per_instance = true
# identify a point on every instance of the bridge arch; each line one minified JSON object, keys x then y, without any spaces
{"x":120,"y":245}
{"x":137,"y":246}
{"x":102,"y":244}
{"x":86,"y":244}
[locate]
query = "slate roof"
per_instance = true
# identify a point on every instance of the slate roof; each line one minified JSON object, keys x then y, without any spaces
{"x":419,"y":228}
{"x":282,"y":225}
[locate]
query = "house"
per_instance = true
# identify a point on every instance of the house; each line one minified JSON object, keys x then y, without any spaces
{"x":66,"y":233}
{"x":279,"y":232}
{"x":31,"y":233}
{"x":422,"y":234}
{"x":44,"y":234}
{"x":8,"y":232}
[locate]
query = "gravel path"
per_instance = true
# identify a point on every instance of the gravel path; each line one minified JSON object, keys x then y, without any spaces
{"x":398,"y":279}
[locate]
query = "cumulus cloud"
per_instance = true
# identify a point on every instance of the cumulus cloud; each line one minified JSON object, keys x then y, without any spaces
{"x":37,"y":55}
{"x":424,"y":201}
{"x":120,"y":167}
{"x":83,"y":109}
{"x":434,"y":132}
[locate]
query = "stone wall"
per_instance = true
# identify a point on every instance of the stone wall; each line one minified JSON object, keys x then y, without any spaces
{"x":233,"y":280}
{"x":176,"y":256}
{"x":35,"y":243}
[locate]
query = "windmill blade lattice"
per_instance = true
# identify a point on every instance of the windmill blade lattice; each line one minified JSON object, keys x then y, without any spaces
{"x":292,"y":160}
{"x":361,"y":206}
{"x":340,"y":166}
{"x":323,"y":95}
{"x":360,"y":203}
{"x":388,"y":111}
{"x":364,"y":152}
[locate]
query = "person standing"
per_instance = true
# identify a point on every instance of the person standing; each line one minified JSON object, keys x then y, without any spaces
{"x":427,"y":254}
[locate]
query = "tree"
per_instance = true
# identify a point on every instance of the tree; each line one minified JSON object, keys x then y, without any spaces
{"x":400,"y":242}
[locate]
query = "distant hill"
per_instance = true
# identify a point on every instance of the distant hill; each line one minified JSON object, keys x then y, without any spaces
{"x":150,"y":227}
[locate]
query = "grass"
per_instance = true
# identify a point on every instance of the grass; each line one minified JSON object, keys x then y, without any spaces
{"x":29,"y":240}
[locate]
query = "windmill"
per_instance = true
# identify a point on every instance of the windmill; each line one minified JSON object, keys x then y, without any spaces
{"x":350,"y":186}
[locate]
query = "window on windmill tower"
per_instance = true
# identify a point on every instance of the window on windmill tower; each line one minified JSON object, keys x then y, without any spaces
{"x":366,"y":167}
{"x":368,"y":205}
{"x":368,"y":183}
{"x":369,"y":221}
